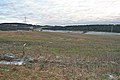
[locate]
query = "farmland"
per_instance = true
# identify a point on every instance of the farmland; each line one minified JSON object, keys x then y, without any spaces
{"x":61,"y":56}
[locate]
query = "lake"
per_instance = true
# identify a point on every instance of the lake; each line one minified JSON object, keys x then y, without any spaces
{"x":90,"y":32}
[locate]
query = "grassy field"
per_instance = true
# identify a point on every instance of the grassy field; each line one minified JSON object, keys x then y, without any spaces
{"x":61,"y":56}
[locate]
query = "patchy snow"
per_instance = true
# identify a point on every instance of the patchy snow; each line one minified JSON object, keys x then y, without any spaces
{"x":12,"y":62}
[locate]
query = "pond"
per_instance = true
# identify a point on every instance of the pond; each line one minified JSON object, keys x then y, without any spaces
{"x":89,"y":32}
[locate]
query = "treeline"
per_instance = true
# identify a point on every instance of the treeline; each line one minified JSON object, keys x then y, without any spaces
{"x":15,"y":26}
{"x":97,"y":27}
{"x":102,"y":28}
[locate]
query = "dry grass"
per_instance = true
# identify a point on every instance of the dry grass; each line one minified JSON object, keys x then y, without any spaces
{"x":61,"y":56}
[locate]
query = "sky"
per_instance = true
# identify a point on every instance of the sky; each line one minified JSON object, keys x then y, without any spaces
{"x":60,"y":12}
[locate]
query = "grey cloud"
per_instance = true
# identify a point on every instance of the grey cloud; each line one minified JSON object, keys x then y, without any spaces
{"x":62,"y":11}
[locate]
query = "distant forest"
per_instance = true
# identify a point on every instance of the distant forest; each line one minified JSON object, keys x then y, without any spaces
{"x":99,"y":28}
{"x":85,"y":28}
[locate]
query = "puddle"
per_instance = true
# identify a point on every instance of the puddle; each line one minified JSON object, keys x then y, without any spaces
{"x":109,"y":76}
{"x":12,"y":59}
{"x":12,"y":62}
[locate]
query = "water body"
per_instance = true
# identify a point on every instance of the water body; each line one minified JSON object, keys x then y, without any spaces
{"x":12,"y":62}
{"x":102,"y":33}
{"x":90,"y":32}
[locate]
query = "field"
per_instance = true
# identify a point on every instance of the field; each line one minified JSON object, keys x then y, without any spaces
{"x":61,"y":56}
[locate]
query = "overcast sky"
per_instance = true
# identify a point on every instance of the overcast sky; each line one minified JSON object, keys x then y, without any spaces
{"x":60,"y":12}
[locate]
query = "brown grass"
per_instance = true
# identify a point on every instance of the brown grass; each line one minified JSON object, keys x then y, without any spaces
{"x":61,"y":56}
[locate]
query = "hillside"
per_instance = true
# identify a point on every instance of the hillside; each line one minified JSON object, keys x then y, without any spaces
{"x":95,"y":27}
{"x":15,"y":26}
